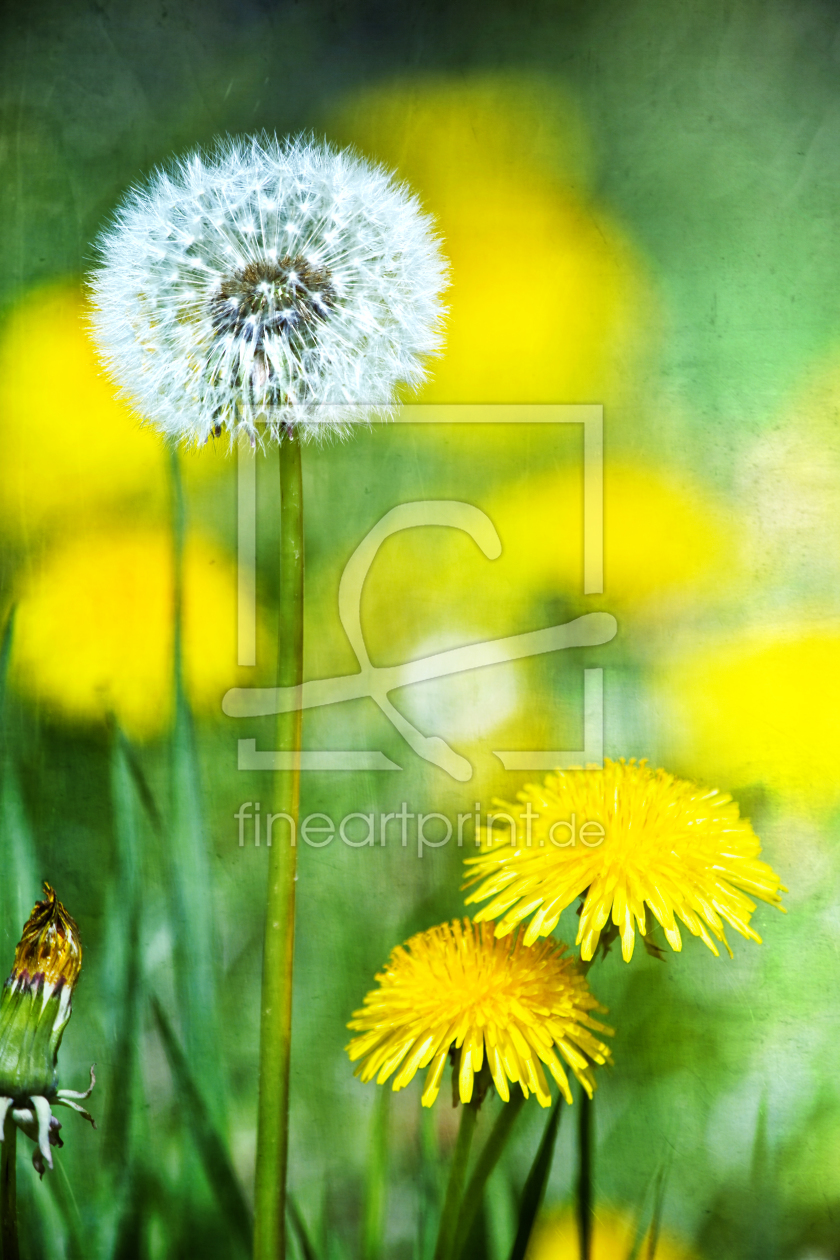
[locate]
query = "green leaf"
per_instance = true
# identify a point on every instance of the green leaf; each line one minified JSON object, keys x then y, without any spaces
{"x":585,"y":1197}
{"x":429,"y":1188}
{"x":373,"y":1221}
{"x":486,"y":1162}
{"x":209,"y":1145}
{"x":20,"y":885}
{"x":5,"y":654}
{"x":123,"y":966}
{"x":189,"y":876}
{"x":307,"y":1249}
{"x":535,"y":1184}
{"x":77,"y":1244}
{"x":656,"y":1220}
{"x":647,"y":1236}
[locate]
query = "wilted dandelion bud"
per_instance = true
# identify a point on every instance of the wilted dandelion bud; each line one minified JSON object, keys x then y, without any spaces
{"x":265,"y":286}
{"x":35,"y":1008}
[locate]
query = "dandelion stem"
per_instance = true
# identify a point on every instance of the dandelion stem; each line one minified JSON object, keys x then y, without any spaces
{"x":584,"y":1184}
{"x":444,"y":1248}
{"x":8,"y":1192}
{"x":279,"y":945}
{"x":486,"y":1162}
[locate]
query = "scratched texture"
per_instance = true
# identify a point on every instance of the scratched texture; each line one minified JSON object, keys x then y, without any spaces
{"x":639,"y":201}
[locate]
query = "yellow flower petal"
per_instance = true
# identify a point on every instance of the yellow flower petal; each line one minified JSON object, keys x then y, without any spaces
{"x":457,"y":984}
{"x":680,"y":849}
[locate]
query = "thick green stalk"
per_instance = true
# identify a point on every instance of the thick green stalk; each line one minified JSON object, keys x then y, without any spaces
{"x":444,"y":1249}
{"x":8,"y":1192}
{"x":373,"y":1219}
{"x":486,"y":1162}
{"x":584,"y":1185}
{"x":279,"y":944}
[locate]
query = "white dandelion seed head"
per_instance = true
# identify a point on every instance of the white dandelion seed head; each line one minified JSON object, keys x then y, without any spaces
{"x":267,"y":286}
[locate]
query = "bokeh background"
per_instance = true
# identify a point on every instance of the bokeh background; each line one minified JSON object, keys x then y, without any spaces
{"x":639,"y":204}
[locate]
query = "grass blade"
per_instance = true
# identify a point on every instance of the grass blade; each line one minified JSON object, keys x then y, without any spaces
{"x":20,"y":885}
{"x":487,"y":1160}
{"x":429,"y":1187}
{"x":537,"y":1180}
{"x":656,"y":1220}
{"x":124,"y":978}
{"x":646,"y":1239}
{"x":584,"y":1185}
{"x":77,"y":1248}
{"x":307,"y":1249}
{"x":209,"y":1145}
{"x":188,"y":847}
{"x":5,"y":654}
{"x":373,"y":1222}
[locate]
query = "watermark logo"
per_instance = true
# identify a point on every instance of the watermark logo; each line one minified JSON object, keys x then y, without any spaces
{"x":591,"y":629}
{"x":415,"y":830}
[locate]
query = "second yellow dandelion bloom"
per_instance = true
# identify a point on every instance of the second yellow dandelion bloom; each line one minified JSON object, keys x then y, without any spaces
{"x":627,"y":837}
{"x":556,"y":1238}
{"x":456,"y":987}
{"x":95,"y":629}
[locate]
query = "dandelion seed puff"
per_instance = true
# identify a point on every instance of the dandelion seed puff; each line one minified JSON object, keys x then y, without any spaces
{"x":267,"y":286}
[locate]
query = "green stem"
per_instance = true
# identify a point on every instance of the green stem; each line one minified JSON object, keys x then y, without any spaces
{"x":8,"y":1192}
{"x":584,"y":1185}
{"x":279,"y":944}
{"x":486,"y":1162}
{"x":444,"y":1248}
{"x":373,"y":1220}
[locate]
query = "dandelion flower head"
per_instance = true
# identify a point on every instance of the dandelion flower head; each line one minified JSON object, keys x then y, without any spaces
{"x":266,"y":285}
{"x":456,"y":987}
{"x":614,"y":1237}
{"x":94,"y":628}
{"x":652,"y":840}
{"x":35,"y":1009}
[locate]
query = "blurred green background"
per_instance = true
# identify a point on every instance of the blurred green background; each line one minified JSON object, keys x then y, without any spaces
{"x":639,"y":205}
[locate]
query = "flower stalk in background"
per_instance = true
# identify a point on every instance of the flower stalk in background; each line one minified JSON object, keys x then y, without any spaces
{"x":500,"y":1010}
{"x":654,"y":840}
{"x":35,"y":1008}
{"x":273,"y":290}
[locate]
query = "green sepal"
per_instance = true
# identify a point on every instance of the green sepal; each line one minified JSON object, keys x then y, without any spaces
{"x":30,"y":1035}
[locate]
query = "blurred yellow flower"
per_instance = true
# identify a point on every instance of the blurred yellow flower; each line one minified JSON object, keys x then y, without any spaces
{"x":556,"y":1238}
{"x":665,"y":544}
{"x":69,"y":446}
{"x":626,"y":836}
{"x":456,"y":986}
{"x":94,"y":629}
{"x":548,"y":300}
{"x":761,"y":707}
{"x":662,"y":534}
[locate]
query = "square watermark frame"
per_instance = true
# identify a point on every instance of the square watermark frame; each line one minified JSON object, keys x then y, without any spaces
{"x":591,"y":629}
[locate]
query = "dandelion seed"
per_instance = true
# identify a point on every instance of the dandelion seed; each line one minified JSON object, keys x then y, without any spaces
{"x":457,"y":988}
{"x":267,"y":286}
{"x":656,"y":841}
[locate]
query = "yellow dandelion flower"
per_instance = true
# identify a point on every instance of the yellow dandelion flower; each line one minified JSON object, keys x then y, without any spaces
{"x":505,"y":165}
{"x":456,"y":987}
{"x":761,"y":706}
{"x":70,"y":446}
{"x":50,"y":945}
{"x":556,"y":1238}
{"x":628,"y":837}
{"x":94,"y":629}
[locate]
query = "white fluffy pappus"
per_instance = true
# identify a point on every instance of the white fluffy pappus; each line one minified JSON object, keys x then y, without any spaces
{"x":267,"y":286}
